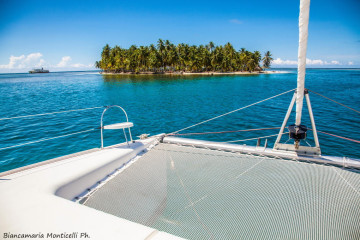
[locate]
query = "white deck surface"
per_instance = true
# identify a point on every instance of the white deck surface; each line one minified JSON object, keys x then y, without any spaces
{"x":29,"y":203}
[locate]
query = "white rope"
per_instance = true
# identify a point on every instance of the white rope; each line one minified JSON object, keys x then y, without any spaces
{"x":45,"y":139}
{"x":232,"y":111}
{"x":243,"y":140}
{"x":42,"y":114}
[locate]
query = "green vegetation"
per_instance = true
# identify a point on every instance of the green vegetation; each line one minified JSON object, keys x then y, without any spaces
{"x":166,"y":57}
{"x":267,"y":60}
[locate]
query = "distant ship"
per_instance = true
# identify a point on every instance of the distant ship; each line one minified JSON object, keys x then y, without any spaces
{"x":42,"y":70}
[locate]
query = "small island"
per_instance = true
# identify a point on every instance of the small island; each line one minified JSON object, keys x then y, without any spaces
{"x":167,"y":58}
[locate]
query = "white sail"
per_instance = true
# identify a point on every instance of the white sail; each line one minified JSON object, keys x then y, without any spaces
{"x":303,"y":37}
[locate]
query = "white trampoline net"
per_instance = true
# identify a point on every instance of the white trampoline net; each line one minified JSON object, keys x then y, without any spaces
{"x":207,"y":194}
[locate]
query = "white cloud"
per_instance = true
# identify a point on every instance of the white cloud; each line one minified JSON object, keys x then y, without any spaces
{"x":350,"y":63}
{"x":314,"y":62}
{"x":20,"y":62}
{"x":64,"y":61}
{"x":320,"y":62}
{"x":13,"y":61}
{"x":78,"y":65}
{"x":236,"y":21}
{"x":279,"y":61}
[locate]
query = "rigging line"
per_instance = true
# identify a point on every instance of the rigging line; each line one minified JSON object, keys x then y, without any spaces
{"x":335,"y":101}
{"x":330,"y":134}
{"x":233,"y":111}
{"x":45,"y":139}
{"x":243,"y":140}
{"x":204,"y":133}
{"x":42,"y":114}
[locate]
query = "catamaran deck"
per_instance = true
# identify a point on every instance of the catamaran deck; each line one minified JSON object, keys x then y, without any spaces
{"x":208,"y":194}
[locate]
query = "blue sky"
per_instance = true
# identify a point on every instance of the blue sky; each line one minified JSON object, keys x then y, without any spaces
{"x":69,"y":35}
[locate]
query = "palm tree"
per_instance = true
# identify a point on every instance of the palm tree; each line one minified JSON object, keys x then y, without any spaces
{"x":230,"y":58}
{"x":217,"y":59}
{"x":161,"y":49}
{"x":98,"y":64}
{"x":154,"y":58}
{"x":267,"y":59}
{"x":105,"y":57}
{"x":206,"y":58}
{"x":242,"y":60}
{"x":210,"y":46}
{"x":257,"y":59}
{"x":251,"y":64}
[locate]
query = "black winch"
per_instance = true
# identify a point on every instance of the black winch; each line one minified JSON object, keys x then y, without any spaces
{"x":297,"y":132}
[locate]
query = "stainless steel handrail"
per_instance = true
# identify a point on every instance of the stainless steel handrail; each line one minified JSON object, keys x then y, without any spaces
{"x":102,"y":125}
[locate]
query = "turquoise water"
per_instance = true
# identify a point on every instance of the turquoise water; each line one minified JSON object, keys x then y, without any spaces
{"x":158,"y":104}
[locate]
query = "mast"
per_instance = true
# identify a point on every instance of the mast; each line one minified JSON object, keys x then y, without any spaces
{"x":297,"y":132}
{"x":303,"y":38}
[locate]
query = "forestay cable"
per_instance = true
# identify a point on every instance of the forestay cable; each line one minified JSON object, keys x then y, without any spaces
{"x":232,"y":111}
{"x":42,"y":114}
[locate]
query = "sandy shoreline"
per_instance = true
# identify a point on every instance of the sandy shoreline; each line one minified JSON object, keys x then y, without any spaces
{"x":191,"y":73}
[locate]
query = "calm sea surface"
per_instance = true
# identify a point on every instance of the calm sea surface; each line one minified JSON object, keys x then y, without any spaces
{"x":163,"y":104}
